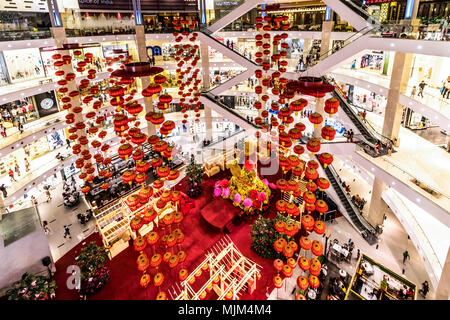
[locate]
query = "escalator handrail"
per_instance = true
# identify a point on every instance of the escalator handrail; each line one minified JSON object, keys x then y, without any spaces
{"x":235,"y":50}
{"x":359,"y":34}
{"x":210,"y":96}
{"x":220,"y":84}
{"x":357,"y":212}
{"x":370,"y":129}
{"x":240,"y":130}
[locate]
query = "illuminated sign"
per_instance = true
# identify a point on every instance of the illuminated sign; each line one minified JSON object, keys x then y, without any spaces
{"x":146,"y":5}
{"x":377,"y":1}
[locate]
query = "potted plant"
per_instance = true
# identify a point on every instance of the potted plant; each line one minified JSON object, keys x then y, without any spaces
{"x":94,"y":274}
{"x":194,"y":175}
{"x":32,"y":287}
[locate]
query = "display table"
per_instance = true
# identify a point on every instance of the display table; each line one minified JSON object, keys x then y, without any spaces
{"x":340,"y":250}
{"x":218,"y":213}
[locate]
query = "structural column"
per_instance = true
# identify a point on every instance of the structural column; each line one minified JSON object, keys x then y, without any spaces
{"x":145,"y":81}
{"x":204,"y":55}
{"x":398,"y":84}
{"x":307,"y":44}
{"x":326,"y":42}
{"x":320,"y":105}
{"x":443,"y":289}
{"x":377,"y":205}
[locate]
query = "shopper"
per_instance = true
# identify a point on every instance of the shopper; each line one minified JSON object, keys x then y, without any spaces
{"x":68,"y":143}
{"x":444,"y":28}
{"x":20,"y":127}
{"x":45,"y":227}
{"x":3,"y":190}
{"x":389,"y":148}
{"x":67,"y":232}
{"x":406,"y":256}
{"x":425,"y":289}
{"x":33,"y":201}
{"x":413,"y":91}
{"x":11,"y":175}
{"x":421,"y":87}
{"x":27,"y":165}
{"x":17,"y":169}
{"x":48,"y":194}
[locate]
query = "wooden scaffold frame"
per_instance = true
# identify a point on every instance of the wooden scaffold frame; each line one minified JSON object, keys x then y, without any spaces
{"x":229,"y":271}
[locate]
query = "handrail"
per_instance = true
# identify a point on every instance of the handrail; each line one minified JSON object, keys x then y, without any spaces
{"x":417,"y":224}
{"x":208,"y":33}
{"x":215,"y":99}
{"x":360,"y":217}
{"x":347,"y":41}
{"x":365,"y":123}
{"x":220,"y":84}
{"x":240,"y":130}
{"x":414,"y":177}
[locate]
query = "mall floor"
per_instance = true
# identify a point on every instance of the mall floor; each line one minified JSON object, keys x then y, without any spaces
{"x":417,"y":158}
{"x":431,"y":96}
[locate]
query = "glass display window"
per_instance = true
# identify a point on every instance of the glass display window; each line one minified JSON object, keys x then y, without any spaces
{"x":23,"y":65}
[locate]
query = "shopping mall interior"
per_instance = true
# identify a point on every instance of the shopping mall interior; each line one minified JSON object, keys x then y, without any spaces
{"x":225,"y":150}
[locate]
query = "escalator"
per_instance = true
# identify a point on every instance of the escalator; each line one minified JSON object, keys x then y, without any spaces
{"x":233,"y":115}
{"x":363,"y":227}
{"x":351,"y":11}
{"x":370,"y":137}
{"x":338,"y":55}
{"x":233,"y":54}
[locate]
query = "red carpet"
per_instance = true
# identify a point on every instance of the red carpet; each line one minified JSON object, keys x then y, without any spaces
{"x":218,"y":213}
{"x":124,"y":282}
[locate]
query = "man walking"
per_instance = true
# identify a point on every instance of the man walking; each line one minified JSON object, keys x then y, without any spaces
{"x":406,"y":256}
{"x":421,"y":87}
{"x":67,"y":232}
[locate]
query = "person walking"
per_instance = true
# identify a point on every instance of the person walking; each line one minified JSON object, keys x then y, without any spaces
{"x":48,"y":194}
{"x":421,"y":87}
{"x":33,"y":201}
{"x":20,"y":127}
{"x":11,"y":175}
{"x":27,"y":165}
{"x":67,"y":232}
{"x":406,"y":256}
{"x":3,"y":190}
{"x":413,"y":91}
{"x":17,"y":169}
{"x":425,"y":289}
{"x":45,"y":227}
{"x":68,"y":143}
{"x":389,"y":148}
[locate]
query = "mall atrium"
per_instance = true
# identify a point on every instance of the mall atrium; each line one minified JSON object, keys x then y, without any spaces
{"x":224,"y":150}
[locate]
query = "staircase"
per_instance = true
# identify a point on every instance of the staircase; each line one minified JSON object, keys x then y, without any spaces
{"x":352,"y":212}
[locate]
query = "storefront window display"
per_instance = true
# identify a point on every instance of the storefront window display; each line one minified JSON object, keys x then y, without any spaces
{"x":56,"y":139}
{"x":3,"y":71}
{"x":414,"y":120}
{"x":95,"y":23}
{"x":19,"y":110}
{"x":373,"y":61}
{"x":25,"y":64}
{"x":38,"y":148}
{"x":162,"y":22}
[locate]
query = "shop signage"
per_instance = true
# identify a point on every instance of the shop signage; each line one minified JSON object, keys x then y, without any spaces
{"x":377,"y":1}
{"x":146,"y":5}
{"x":156,"y":50}
{"x":223,"y":4}
{"x":46,"y":103}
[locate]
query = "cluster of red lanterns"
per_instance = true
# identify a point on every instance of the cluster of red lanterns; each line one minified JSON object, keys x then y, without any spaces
{"x":187,"y":57}
{"x":168,"y":237}
{"x":77,"y":99}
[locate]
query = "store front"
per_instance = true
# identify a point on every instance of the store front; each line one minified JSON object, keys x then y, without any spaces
{"x":386,"y":10}
{"x":431,"y":69}
{"x":19,"y":110}
{"x":414,"y":120}
{"x":23,"y":65}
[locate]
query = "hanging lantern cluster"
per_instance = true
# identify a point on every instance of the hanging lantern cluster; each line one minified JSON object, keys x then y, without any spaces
{"x":80,"y":100}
